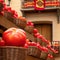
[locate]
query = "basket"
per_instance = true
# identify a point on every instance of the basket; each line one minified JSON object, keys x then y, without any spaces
{"x":58,"y":54}
{"x":29,"y":29}
{"x":50,"y":59}
{"x":50,"y":52}
{"x":44,"y":55}
{"x":44,"y":44}
{"x":34,"y":51}
{"x":40,"y":41}
{"x":32,"y":58}
{"x":35,"y":39}
{"x":8,"y":15}
{"x":15,"y":20}
{"x":22,"y":23}
{"x":31,"y":37}
{"x":12,"y":53}
{"x":1,"y":7}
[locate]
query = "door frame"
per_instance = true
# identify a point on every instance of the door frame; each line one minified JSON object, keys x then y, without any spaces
{"x":46,"y":22}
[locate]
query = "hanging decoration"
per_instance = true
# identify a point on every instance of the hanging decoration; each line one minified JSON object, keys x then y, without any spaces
{"x":39,"y":4}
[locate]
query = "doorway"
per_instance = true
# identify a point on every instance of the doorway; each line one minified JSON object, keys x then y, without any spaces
{"x":45,"y":30}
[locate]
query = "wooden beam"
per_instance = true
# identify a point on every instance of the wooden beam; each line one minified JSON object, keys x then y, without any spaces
{"x":58,"y":15}
{"x":6,"y":23}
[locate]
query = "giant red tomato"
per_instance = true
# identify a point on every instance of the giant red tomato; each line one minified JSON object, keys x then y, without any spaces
{"x":14,"y":37}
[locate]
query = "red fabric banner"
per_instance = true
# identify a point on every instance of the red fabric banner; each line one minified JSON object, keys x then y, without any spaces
{"x":39,"y":4}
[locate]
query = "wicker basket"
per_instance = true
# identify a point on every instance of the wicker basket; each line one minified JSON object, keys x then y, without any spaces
{"x":29,"y":29}
{"x":50,"y":59}
{"x":12,"y":53}
{"x":1,"y":7}
{"x":8,"y":15}
{"x":34,"y":51}
{"x":50,"y":52}
{"x":44,"y":44}
{"x":15,"y":20}
{"x":22,"y":23}
{"x":35,"y":39}
{"x":40,"y":41}
{"x":59,"y":50}
{"x":32,"y":58}
{"x":44,"y":55}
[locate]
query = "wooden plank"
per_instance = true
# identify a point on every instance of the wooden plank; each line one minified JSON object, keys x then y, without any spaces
{"x":6,"y":23}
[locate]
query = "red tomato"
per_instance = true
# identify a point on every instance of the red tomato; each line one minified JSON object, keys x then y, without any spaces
{"x":27,"y":40}
{"x":37,"y":34}
{"x":26,"y":45}
{"x":22,"y":18}
{"x":14,"y":37}
{"x":35,"y":31}
{"x":2,"y":42}
{"x":33,"y":44}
